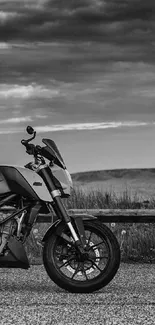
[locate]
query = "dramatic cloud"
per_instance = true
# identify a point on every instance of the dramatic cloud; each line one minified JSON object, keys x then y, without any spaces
{"x":83,"y":69}
{"x":77,"y":61}
{"x":104,"y":21}
{"x":120,"y":90}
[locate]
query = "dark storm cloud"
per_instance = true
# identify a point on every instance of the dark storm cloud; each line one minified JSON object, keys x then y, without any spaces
{"x":91,"y":20}
{"x":93,"y":62}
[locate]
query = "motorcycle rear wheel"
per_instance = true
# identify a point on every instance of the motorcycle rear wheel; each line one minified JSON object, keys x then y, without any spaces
{"x":65,"y":267}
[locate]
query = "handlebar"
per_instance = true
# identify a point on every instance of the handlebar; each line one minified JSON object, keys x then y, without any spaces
{"x":31,"y":149}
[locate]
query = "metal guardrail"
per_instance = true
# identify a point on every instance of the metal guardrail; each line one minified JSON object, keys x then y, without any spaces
{"x":104,"y":215}
{"x":109,"y":215}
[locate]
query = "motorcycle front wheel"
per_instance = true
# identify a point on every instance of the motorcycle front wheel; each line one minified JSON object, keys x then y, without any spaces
{"x":70,"y":271}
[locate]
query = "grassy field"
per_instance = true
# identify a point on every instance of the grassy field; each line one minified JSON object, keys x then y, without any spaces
{"x":137,"y":241}
{"x":137,"y":182}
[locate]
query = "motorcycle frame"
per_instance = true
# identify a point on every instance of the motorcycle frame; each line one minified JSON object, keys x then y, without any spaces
{"x":30,"y":209}
{"x":31,"y":214}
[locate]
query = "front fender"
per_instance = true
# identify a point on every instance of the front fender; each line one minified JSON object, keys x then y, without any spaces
{"x":76,"y":217}
{"x":51,"y":230}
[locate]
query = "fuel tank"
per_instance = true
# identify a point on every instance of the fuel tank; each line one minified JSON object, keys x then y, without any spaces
{"x":23,"y":181}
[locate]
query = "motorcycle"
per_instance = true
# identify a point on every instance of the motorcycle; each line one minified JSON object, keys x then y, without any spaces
{"x":80,"y":254}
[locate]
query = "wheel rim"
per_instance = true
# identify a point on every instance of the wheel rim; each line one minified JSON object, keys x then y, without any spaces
{"x":90,"y":269}
{"x":69,"y":263}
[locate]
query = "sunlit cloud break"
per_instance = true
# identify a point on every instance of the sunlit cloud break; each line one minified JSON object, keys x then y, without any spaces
{"x":26,"y":91}
{"x":88,"y":126}
{"x":70,"y":127}
{"x":16,"y":120}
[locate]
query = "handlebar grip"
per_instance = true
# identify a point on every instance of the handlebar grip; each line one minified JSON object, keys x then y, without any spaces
{"x":29,"y":147}
{"x":24,"y":142}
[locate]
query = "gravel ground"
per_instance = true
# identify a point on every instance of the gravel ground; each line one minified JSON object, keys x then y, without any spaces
{"x":30,"y":297}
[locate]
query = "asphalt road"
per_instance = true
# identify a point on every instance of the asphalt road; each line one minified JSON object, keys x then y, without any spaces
{"x":30,"y":297}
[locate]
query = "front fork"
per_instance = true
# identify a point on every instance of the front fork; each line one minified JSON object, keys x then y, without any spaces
{"x":78,"y":234}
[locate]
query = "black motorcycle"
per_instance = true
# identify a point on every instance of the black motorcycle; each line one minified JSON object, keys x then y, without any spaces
{"x":80,"y":254}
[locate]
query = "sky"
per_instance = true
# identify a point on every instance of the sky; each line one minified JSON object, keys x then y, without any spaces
{"x":83,"y":74}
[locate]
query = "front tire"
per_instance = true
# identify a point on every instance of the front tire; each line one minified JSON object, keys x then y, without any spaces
{"x":64,"y":267}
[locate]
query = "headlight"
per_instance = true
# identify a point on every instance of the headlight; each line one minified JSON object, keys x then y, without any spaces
{"x":69,"y":176}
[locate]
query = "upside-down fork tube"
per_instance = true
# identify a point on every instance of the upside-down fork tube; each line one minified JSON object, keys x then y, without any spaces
{"x":61,"y":212}
{"x":58,"y":206}
{"x":80,"y":228}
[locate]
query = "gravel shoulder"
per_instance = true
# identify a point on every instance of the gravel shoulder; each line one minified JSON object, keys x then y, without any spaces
{"x":30,"y":297}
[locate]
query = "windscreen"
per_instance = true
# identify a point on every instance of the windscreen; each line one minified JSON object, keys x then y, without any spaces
{"x":52,"y":152}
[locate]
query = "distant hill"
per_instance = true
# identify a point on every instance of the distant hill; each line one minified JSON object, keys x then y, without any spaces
{"x":104,"y":175}
{"x":137,"y":181}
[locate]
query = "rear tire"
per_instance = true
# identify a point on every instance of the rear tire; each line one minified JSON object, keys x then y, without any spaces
{"x":59,"y":255}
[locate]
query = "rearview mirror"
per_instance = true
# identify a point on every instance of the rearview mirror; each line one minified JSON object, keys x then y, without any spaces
{"x":30,"y":130}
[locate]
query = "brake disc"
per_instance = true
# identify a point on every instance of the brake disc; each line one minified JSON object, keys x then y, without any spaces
{"x":89,"y":269}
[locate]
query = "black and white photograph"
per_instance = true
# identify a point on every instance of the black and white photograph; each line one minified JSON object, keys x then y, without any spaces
{"x":77,"y":162}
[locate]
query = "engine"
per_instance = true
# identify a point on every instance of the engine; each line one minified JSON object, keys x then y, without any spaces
{"x":6,"y":230}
